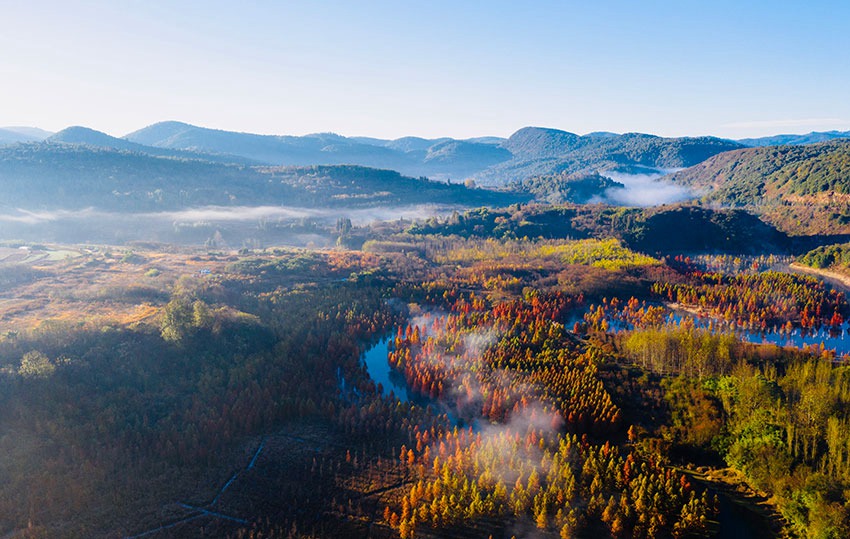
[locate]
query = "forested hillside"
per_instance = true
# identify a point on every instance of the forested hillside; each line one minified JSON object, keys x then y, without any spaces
{"x":74,"y":176}
{"x":834,"y":257}
{"x":578,"y":188}
{"x":538,"y":151}
{"x":663,"y":230}
{"x":799,"y":189}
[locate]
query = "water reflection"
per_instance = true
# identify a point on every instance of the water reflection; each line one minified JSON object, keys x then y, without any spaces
{"x":829,"y":337}
{"x":392,"y":383}
{"x":390,"y":380}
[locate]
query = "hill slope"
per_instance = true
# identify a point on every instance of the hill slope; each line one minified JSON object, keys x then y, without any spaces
{"x":90,"y":137}
{"x":800,"y":189}
{"x":538,"y":151}
{"x":76,"y":176}
{"x":835,"y":257}
{"x":13,"y":135}
{"x":578,"y":188}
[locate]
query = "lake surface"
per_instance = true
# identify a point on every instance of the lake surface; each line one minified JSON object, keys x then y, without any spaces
{"x":393,"y":383}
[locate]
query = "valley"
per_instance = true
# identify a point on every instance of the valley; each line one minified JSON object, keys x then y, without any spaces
{"x":444,"y":270}
{"x":197,"y":345}
{"x":539,"y":350}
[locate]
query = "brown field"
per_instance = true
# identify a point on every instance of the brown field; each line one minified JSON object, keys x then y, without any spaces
{"x":94,"y":285}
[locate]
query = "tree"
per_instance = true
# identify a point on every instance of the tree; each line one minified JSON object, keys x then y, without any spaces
{"x":343,"y":226}
{"x":201,"y":316}
{"x":177,"y":317}
{"x":35,"y":364}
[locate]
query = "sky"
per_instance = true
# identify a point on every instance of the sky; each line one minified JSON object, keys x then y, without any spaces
{"x":438,"y":68}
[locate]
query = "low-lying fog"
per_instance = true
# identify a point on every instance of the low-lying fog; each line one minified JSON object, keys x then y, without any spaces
{"x":644,"y":190}
{"x":260,"y":226}
{"x":218,"y":226}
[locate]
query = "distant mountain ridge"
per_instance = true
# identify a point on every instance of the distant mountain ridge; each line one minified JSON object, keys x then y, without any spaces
{"x":531,"y":151}
{"x":13,"y":135}
{"x":265,"y":149}
{"x":97,"y":139}
{"x":413,"y":156}
{"x":494,"y":161}
{"x":541,"y":151}
{"x":796,"y":140}
{"x":33,"y":132}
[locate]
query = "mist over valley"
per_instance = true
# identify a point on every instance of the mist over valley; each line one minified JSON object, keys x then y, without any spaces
{"x":552,"y":270}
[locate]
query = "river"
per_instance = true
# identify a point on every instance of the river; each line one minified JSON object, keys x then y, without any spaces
{"x":831,"y":338}
{"x":736,"y":520}
{"x":378,"y":367}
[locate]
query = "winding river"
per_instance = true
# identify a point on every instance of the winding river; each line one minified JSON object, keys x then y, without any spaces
{"x":391,"y":381}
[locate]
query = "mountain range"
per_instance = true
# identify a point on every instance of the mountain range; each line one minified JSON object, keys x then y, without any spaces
{"x":12,"y":135}
{"x":439,"y":158}
{"x":538,"y":151}
{"x":800,"y":188}
{"x":89,"y":137}
{"x":489,"y":160}
{"x":797,"y":140}
{"x":494,"y":161}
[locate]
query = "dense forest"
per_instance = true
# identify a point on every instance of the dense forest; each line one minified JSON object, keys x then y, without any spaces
{"x":834,"y":257}
{"x":799,"y":189}
{"x":661,"y":230}
{"x":578,"y":188}
{"x":537,"y":385}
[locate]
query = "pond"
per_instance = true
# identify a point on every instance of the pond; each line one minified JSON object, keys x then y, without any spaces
{"x":831,"y":339}
{"x":738,"y":521}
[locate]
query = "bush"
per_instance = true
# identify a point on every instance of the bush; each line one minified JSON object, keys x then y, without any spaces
{"x":35,"y":364}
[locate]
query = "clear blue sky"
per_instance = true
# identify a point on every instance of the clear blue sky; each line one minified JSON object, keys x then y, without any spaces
{"x":435,"y":68}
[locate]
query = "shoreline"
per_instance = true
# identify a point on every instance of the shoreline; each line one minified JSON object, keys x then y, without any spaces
{"x":832,"y":277}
